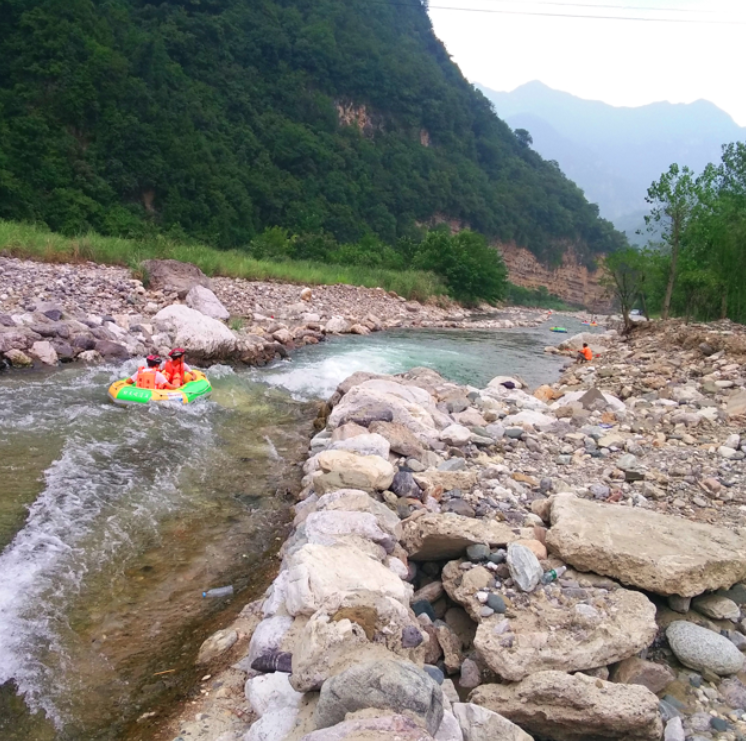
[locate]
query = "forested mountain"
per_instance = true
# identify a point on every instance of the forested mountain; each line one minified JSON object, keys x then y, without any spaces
{"x":614,"y":154}
{"x":216,"y":119}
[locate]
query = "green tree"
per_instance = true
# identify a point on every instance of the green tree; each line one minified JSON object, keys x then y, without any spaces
{"x":624,"y":278}
{"x":673,"y":199}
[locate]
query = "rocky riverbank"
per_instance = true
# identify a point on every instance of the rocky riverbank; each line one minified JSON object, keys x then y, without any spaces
{"x":567,"y":564}
{"x":52,"y":314}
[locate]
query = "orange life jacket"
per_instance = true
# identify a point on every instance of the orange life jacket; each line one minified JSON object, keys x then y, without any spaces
{"x":588,"y":353}
{"x":146,"y":378}
{"x":174,"y":372}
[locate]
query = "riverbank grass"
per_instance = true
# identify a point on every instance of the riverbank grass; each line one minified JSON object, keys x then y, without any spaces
{"x":35,"y":243}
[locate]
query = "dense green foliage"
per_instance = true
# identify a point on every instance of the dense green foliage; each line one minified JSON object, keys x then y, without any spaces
{"x":701,"y":223}
{"x":537,"y":298}
{"x":217,"y":120}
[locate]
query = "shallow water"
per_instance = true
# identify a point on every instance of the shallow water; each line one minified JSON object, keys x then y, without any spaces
{"x":114,"y":520}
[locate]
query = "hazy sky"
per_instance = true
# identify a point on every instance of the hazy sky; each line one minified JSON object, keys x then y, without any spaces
{"x":622,"y":62}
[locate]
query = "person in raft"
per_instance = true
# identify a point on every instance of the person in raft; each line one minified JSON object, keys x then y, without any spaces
{"x":149,"y":376}
{"x":177,"y":371}
{"x":586,"y":354}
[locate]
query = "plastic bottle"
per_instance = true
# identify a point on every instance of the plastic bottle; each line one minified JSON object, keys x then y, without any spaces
{"x":219,"y":592}
{"x":553,"y":575}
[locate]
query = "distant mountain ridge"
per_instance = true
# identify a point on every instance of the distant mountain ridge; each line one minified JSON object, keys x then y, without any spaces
{"x":614,"y":154}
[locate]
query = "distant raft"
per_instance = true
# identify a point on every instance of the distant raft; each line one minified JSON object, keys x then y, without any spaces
{"x":120,"y":392}
{"x":558,"y":329}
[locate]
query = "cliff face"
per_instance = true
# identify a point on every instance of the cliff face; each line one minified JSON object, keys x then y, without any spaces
{"x":571,"y":281}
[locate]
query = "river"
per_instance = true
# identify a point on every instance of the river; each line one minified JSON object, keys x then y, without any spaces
{"x":114,"y":520}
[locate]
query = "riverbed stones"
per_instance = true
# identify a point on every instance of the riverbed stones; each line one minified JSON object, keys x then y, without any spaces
{"x":576,"y":707}
{"x":525,"y":568}
{"x":446,"y":536}
{"x":543,"y":633}
{"x":456,"y":435}
{"x":480,"y":724}
{"x":341,"y":469}
{"x":702,"y":649}
{"x":317,"y":572}
{"x":645,"y":549}
{"x":396,"y":686}
{"x":203,"y":337}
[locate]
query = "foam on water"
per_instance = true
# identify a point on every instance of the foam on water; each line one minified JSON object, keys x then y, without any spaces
{"x":110,"y":486}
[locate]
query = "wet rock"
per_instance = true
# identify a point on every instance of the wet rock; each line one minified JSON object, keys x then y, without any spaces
{"x":44,"y":352}
{"x":480,"y":724}
{"x":645,"y":549}
{"x":525,"y":568}
{"x":575,"y":707}
{"x":399,"y":687}
{"x":445,"y":536}
{"x":217,"y":644}
{"x":702,"y":649}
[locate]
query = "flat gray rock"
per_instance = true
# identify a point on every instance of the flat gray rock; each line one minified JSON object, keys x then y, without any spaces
{"x":644,"y":549}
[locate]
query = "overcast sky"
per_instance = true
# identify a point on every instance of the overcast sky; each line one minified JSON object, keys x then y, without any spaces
{"x":622,"y":62}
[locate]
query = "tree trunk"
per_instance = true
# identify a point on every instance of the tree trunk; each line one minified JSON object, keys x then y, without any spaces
{"x":644,"y":306}
{"x":672,"y":273}
{"x":724,"y":305}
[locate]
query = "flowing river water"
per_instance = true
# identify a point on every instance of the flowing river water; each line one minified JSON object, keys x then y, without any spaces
{"x":114,"y":520}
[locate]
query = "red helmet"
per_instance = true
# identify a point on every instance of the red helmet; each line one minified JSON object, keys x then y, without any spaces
{"x":177,"y":352}
{"x":153,"y":360}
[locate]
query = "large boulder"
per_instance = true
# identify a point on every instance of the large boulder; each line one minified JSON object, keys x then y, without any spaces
{"x":480,"y":724}
{"x":645,"y":549}
{"x":174,"y":277}
{"x":202,"y":336}
{"x":351,"y":628}
{"x":335,"y":526}
{"x":397,"y":727}
{"x":436,"y":537}
{"x":575,"y":707}
{"x":354,"y":500}
{"x":44,"y":352}
{"x":341,"y":469}
{"x":570,"y":635}
{"x":396,"y":686}
{"x":317,"y":572}
{"x":204,"y":301}
{"x":703,"y":649}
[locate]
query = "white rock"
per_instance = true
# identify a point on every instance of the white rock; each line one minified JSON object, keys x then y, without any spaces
{"x":339,"y":469}
{"x":44,"y":352}
{"x":206,"y":302}
{"x":456,"y":435}
{"x":336,"y":325}
{"x":723,"y":451}
{"x":450,"y":729}
{"x":316,"y":573}
{"x":480,"y":724}
{"x":364,"y":445}
{"x":274,"y":726}
{"x":268,"y":636}
{"x":528,"y":416}
{"x":330,"y":527}
{"x":269,"y":692}
{"x":199,"y":334}
{"x":525,"y":568}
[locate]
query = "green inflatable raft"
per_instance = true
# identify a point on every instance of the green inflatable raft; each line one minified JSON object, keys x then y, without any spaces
{"x":120,"y":392}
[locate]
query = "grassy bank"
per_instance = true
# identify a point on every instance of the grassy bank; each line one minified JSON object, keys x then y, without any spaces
{"x":537,"y":298}
{"x":34,"y":243}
